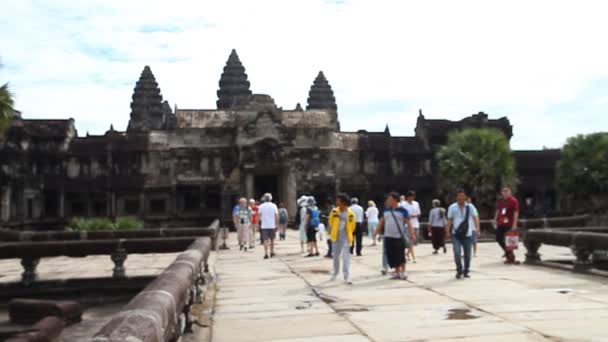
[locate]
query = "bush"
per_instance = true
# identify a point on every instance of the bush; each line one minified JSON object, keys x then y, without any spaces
{"x":128,"y":223}
{"x":103,"y":223}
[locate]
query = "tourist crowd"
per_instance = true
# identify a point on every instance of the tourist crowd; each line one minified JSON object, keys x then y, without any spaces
{"x":396,"y":225}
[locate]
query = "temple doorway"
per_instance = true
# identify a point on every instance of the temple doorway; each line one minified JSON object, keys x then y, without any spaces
{"x":267,"y":183}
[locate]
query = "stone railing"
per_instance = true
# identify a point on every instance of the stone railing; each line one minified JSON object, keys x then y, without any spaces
{"x":583,"y":241}
{"x":30,"y":247}
{"x":160,"y":312}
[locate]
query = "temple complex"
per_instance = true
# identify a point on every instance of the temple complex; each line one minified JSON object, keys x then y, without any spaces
{"x":187,"y":166}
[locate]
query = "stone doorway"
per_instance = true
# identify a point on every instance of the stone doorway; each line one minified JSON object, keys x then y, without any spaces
{"x":267,"y":183}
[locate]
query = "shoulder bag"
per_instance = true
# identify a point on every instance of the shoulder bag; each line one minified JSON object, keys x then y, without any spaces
{"x":403,"y":237}
{"x":463,"y":228}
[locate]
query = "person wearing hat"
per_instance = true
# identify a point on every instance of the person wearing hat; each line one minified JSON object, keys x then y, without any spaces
{"x":302,"y":204}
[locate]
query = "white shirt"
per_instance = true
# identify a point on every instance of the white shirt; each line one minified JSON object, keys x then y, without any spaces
{"x":372,"y":214}
{"x":414,"y":210}
{"x":358,"y":211}
{"x":303,"y":212}
{"x":268,"y":212}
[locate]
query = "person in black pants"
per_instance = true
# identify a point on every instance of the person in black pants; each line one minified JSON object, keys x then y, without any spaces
{"x":358,"y":211}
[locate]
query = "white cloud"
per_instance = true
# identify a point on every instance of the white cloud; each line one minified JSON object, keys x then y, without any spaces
{"x":532,"y":61}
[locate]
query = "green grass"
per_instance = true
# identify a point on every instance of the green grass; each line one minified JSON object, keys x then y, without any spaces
{"x":102,"y":223}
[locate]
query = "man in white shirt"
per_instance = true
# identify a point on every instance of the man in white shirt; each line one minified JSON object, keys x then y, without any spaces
{"x":359,"y":214}
{"x":269,"y":222}
{"x":413,"y":208}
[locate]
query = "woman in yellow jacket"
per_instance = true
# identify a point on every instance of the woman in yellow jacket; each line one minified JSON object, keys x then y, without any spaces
{"x":342,"y":225}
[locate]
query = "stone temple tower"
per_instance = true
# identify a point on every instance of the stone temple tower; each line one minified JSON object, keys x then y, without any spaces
{"x":321,"y":96}
{"x":147,"y":104}
{"x":233,"y":83}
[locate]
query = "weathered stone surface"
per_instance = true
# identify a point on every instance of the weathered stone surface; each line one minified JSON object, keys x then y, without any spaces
{"x":147,"y":105}
{"x":47,"y":329}
{"x":233,"y":83}
{"x":321,"y":96}
{"x":275,"y":299}
{"x":154,"y":314}
{"x":29,"y":311}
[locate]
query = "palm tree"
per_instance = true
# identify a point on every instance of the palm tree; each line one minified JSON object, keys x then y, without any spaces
{"x":6,"y":106}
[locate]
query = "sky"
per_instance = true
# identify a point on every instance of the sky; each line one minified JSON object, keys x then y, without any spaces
{"x":542,"y":63}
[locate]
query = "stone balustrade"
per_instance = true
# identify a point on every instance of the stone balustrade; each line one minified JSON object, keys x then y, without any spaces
{"x":30,"y":247}
{"x":584,"y":242}
{"x":160,"y":312}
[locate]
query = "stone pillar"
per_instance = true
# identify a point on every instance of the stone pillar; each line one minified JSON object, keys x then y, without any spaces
{"x":5,"y":204}
{"x":29,"y":274}
{"x":119,"y":257}
{"x":113,"y":204}
{"x":249,"y":182}
{"x":61,"y":205}
{"x":291,"y":191}
{"x":142,"y":205}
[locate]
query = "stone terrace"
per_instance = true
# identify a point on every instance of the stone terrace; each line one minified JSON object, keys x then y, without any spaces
{"x":289,"y":298}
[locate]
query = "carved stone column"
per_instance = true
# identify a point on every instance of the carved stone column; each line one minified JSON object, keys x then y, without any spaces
{"x":583,"y":259}
{"x":5,"y":203}
{"x":29,"y":270}
{"x":62,"y":203}
{"x":119,"y":257}
{"x":532,"y":255}
{"x":249,"y":181}
{"x":291,"y":191}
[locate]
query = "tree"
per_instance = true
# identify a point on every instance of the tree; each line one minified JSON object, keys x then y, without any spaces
{"x":6,"y":107}
{"x":479,"y":161}
{"x":582,"y":171}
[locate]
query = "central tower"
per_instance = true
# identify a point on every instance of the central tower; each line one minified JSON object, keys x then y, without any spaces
{"x":233,"y":83}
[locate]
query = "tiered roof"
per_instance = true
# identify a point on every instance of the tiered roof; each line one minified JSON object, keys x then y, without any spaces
{"x":233,"y":83}
{"x":321,"y":96}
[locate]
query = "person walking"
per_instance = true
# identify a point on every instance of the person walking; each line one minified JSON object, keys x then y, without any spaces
{"x":462,"y":224}
{"x":254,"y":222}
{"x":242,"y":222}
{"x":283,"y":219}
{"x":437,"y":222}
{"x":312,"y":226}
{"x":358,"y":211}
{"x":269,"y":221}
{"x":413,"y":208}
{"x":371,"y":214}
{"x":507,"y":215}
{"x":342,"y":225}
{"x":397,"y":229}
{"x":303,"y":204}
{"x":328,"y":209}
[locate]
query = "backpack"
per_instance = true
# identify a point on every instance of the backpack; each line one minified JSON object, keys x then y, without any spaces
{"x":282,"y":215}
{"x":314,"y":218}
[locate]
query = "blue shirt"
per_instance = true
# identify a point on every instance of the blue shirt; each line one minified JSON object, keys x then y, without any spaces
{"x":457,"y":214}
{"x":392,"y":227}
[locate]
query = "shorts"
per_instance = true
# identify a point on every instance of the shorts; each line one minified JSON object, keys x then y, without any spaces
{"x":311,"y":234}
{"x":268,"y":234}
{"x":395,"y":251}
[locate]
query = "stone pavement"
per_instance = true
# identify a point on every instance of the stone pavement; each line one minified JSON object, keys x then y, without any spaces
{"x":289,"y":298}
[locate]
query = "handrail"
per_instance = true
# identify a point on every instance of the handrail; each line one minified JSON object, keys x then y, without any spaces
{"x":583,"y":243}
{"x":161,"y":310}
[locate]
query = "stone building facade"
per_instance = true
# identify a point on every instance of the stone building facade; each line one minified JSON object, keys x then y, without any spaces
{"x":187,"y":166}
